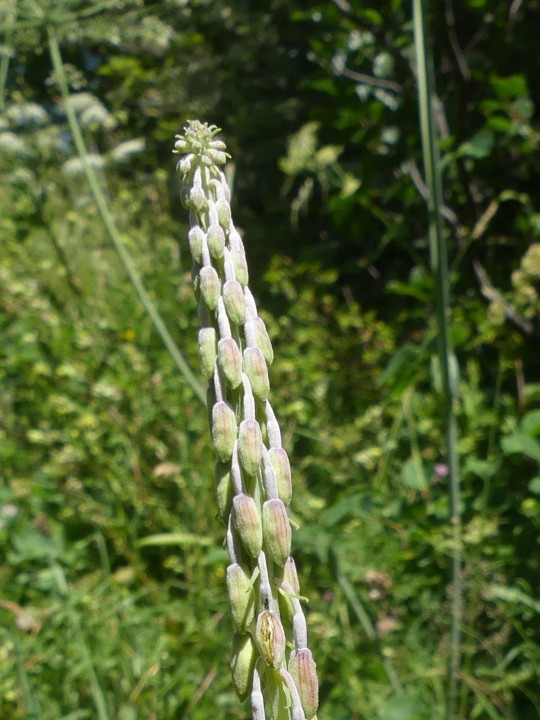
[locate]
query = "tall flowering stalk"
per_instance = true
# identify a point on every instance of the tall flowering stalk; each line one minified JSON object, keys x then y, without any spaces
{"x":270,"y":661}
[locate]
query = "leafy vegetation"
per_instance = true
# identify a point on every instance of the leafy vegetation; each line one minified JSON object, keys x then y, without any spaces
{"x":112,"y":568}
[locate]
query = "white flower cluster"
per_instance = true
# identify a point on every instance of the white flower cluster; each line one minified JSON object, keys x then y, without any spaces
{"x":270,"y":662}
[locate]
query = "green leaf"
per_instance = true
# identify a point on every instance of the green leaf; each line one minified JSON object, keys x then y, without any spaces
{"x":413,"y":474}
{"x":534,"y":485}
{"x":530,"y":423}
{"x":522,"y":444}
{"x":479,"y":146}
{"x":178,"y":538}
{"x":404,"y":706}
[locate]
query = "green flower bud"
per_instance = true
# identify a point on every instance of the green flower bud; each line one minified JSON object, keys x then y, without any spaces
{"x":223,"y":210}
{"x":224,"y":489}
{"x":230,"y":361}
{"x":240,"y":267}
{"x":276,"y":531}
{"x":196,"y":239}
{"x":270,"y":638}
{"x":207,"y":351}
{"x":241,"y":597}
{"x":215,"y":238}
{"x":282,"y":468}
{"x":257,"y":372}
{"x":235,"y":304}
{"x":250,"y":446}
{"x":290,"y":576}
{"x":303,"y":670}
{"x":243,"y":659}
{"x":247,"y":523}
{"x":209,"y":286}
{"x":263,"y":340}
{"x":224,"y":430}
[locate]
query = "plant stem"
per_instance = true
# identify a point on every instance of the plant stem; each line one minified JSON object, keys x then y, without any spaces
{"x":110,"y":226}
{"x":439,"y":265}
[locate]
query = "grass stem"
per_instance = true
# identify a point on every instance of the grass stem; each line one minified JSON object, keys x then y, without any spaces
{"x":446,"y":360}
{"x":110,"y":226}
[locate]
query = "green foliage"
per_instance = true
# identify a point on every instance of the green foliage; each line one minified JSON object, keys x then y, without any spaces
{"x":112,"y":587}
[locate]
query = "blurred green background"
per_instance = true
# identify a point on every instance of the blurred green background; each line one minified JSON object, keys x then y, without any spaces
{"x":112,"y":590}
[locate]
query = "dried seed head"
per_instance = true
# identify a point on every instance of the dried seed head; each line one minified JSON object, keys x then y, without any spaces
{"x":209,"y":286}
{"x":239,"y":263}
{"x":243,"y":658}
{"x":224,"y":489}
{"x":282,"y":468}
{"x":303,"y":670}
{"x":230,"y":361}
{"x":241,"y":597}
{"x":250,"y":446}
{"x":224,"y":430}
{"x":276,"y":531}
{"x":196,"y":239}
{"x":270,"y":638}
{"x":235,"y":304}
{"x":207,"y":351}
{"x":215,"y":238}
{"x":247,"y":523}
{"x":257,"y":372}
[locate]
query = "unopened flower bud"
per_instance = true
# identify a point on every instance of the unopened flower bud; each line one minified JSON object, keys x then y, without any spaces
{"x":217,"y":157}
{"x":224,"y":489}
{"x":235,"y":304}
{"x":247,"y":523}
{"x":249,"y":446}
{"x":209,"y":286}
{"x":230,"y":361}
{"x":240,"y":267}
{"x":215,"y":238}
{"x":207,"y":351}
{"x":276,"y":531}
{"x":241,"y":597}
{"x":196,"y":238}
{"x":303,"y":670}
{"x":270,"y":638}
{"x":185,"y":165}
{"x":290,"y":576}
{"x":223,"y":210}
{"x":282,"y":469}
{"x":243,"y":658}
{"x":263,"y":340}
{"x":217,"y":145}
{"x":257,"y":372}
{"x":197,"y":199}
{"x":224,"y":430}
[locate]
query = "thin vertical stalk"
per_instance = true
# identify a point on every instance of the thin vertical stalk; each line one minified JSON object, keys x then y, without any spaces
{"x":439,"y":266}
{"x":110,"y":226}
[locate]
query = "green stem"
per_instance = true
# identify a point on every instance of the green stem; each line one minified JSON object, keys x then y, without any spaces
{"x":110,"y":226}
{"x":439,"y":265}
